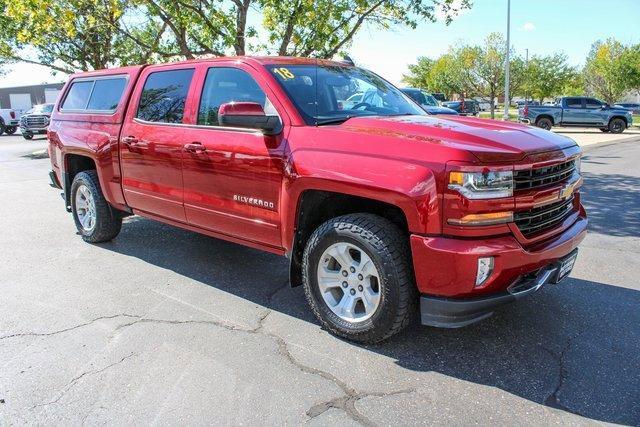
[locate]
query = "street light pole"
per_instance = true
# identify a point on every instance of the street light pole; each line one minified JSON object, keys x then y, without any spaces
{"x":526,"y":69}
{"x":506,"y":64}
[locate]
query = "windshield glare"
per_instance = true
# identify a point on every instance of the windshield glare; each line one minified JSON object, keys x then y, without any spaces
{"x":430,"y":100}
{"x":42,"y":108}
{"x":327,"y":92}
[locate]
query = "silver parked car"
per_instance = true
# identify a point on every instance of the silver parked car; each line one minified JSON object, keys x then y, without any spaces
{"x":36,"y":120}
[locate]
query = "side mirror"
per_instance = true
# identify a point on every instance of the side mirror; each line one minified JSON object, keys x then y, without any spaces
{"x":605,"y":106}
{"x":248,"y":115}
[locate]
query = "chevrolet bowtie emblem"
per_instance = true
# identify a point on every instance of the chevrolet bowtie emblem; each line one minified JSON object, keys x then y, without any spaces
{"x":566,"y":191}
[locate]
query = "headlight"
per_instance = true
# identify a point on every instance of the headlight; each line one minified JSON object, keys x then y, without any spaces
{"x":482,"y":185}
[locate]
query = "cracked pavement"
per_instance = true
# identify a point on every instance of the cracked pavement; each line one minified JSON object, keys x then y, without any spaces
{"x":164,"y":326}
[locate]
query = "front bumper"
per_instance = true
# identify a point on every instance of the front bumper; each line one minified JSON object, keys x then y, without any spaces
{"x":445,"y":271}
{"x":32,"y":129}
{"x":456,"y":313}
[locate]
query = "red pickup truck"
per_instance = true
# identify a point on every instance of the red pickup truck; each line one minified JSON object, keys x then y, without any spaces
{"x":379,"y":206}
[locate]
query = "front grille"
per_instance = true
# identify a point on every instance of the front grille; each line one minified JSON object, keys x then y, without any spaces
{"x":540,"y":177}
{"x":35,"y":121}
{"x":543,"y":218}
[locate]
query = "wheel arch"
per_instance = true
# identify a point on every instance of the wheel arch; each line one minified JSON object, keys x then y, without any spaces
{"x":315,"y":206}
{"x":623,"y":118}
{"x":545,"y":116}
{"x":74,"y":163}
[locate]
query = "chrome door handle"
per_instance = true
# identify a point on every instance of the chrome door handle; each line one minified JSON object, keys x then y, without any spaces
{"x":195,"y":147}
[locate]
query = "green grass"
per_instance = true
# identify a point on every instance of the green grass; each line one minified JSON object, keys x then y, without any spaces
{"x":513,"y":116}
{"x":636,"y":121}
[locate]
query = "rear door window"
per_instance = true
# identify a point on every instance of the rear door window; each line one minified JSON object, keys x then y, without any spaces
{"x":164,"y":96}
{"x":78,"y":96}
{"x":574,"y":102}
{"x":106,"y":94}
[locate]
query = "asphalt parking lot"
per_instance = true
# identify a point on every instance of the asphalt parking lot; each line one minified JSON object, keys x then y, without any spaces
{"x":164,"y":326}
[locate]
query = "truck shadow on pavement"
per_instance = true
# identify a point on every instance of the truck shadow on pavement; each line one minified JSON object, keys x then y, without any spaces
{"x":573,"y":347}
{"x":613,"y":203}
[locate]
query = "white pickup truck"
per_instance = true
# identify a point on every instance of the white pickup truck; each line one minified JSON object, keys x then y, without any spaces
{"x":9,"y":121}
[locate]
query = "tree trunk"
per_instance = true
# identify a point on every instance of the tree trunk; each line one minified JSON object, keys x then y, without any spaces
{"x":241,"y":26}
{"x":492,"y":97}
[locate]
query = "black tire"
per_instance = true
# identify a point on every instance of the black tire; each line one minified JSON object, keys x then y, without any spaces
{"x":389,"y":250}
{"x":605,"y":130}
{"x":27,"y":135}
{"x":108,"y":221}
{"x":1,"y":126}
{"x":617,"y":126}
{"x":544,"y":123}
{"x":10,"y":130}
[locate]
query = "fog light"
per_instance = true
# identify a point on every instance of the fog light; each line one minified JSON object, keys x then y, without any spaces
{"x":485,"y":268}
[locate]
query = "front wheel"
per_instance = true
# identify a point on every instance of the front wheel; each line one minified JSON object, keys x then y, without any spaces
{"x":10,"y":130}
{"x":617,"y":126}
{"x":95,"y":219}
{"x":358,"y":277}
{"x":27,"y":135}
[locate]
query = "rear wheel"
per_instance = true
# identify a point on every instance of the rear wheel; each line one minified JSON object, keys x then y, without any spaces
{"x":358,"y":278}
{"x":544,"y":123}
{"x":617,"y":126}
{"x":10,"y":130}
{"x":95,"y":219}
{"x":1,"y":127}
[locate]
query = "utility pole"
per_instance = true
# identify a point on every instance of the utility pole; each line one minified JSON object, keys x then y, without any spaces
{"x":526,"y":66}
{"x":506,"y":64}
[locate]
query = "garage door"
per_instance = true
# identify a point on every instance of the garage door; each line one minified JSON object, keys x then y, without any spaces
{"x":51,"y":95}
{"x":20,"y":102}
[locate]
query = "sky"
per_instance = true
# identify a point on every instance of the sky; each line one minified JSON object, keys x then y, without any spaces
{"x":542,"y":26}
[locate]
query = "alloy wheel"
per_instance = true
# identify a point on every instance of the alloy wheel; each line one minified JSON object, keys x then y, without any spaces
{"x":349,"y":282}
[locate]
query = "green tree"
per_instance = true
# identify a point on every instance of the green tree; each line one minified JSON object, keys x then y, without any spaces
{"x":71,"y":35}
{"x":66,"y":35}
{"x":630,"y":60}
{"x":324,"y":28}
{"x":548,"y":76}
{"x":420,"y":74}
{"x":609,"y":70}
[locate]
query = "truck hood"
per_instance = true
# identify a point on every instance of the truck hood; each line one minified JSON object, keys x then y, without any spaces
{"x":491,"y":141}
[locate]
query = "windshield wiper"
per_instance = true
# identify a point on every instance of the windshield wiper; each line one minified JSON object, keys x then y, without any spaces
{"x":332,"y":120}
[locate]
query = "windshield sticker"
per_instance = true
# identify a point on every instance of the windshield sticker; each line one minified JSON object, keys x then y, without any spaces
{"x":284,"y":73}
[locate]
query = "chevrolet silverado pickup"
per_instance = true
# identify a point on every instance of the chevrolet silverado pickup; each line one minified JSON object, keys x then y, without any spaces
{"x":577,"y":111}
{"x":382,"y":210}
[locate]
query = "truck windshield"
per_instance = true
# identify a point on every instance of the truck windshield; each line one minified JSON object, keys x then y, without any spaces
{"x":430,"y":100}
{"x":42,"y":109}
{"x":324,"y":94}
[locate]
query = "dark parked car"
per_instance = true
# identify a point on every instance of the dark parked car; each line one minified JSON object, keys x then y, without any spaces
{"x":427,"y":101}
{"x":631,"y":106}
{"x":439,"y":96}
{"x":464,"y":107}
{"x":36,"y":120}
